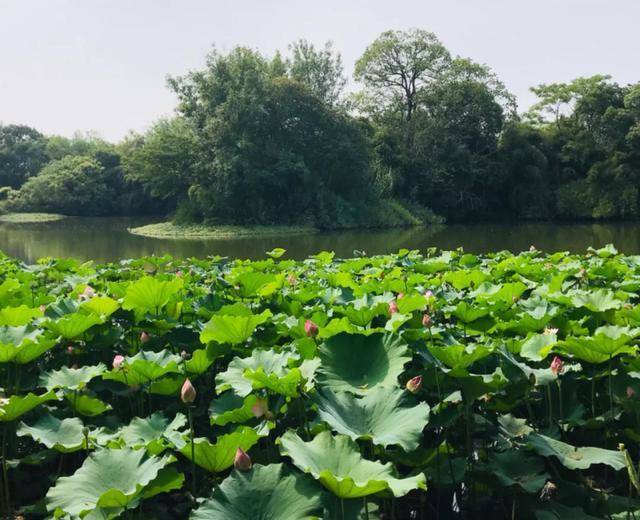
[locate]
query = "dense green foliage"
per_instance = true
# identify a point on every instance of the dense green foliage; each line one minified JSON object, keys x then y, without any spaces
{"x":259,"y":140}
{"x":437,"y":385}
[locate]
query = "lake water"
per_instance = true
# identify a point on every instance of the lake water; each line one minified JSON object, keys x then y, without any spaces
{"x":104,"y":239}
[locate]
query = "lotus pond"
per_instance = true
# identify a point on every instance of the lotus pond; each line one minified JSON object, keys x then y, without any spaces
{"x":407,"y":386}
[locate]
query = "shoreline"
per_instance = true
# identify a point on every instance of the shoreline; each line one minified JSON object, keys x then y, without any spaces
{"x":30,"y":218}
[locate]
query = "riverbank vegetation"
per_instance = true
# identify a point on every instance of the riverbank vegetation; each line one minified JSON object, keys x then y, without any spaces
{"x":278,"y":140}
{"x":443,"y":385}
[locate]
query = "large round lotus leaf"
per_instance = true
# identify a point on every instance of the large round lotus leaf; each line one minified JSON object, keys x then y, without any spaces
{"x":516,"y":468}
{"x":231,"y":408}
{"x":459,"y":356}
{"x":264,"y":362}
{"x":226,"y":328}
{"x":18,"y":316}
{"x":61,"y":435}
{"x":73,"y":325}
{"x":598,"y":300}
{"x":573,"y":457}
{"x":21,"y":345}
{"x":154,"y":432}
{"x":101,"y":305}
{"x":336,"y":462}
{"x":219,"y":456}
{"x":264,"y":493}
{"x":356,"y":363}
{"x":385,"y":415}
{"x":71,"y":378}
{"x":84,"y":404}
{"x":106,"y":479}
{"x":13,"y":407}
{"x":607,"y":342}
{"x":150,"y":294}
{"x":146,"y":367}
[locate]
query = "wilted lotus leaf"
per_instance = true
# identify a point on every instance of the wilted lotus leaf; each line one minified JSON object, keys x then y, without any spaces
{"x":387,"y":416}
{"x":356,"y":363}
{"x":264,"y":493}
{"x":336,"y":462}
{"x":110,"y":480}
{"x":219,"y":456}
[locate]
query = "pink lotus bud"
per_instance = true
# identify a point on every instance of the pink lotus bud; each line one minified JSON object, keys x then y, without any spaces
{"x":311,"y":329}
{"x":118,"y":361}
{"x":393,"y":307}
{"x":145,"y":337}
{"x":188,"y":392}
{"x":242,"y":461}
{"x":179,"y":274}
{"x":414,"y":384}
{"x":400,"y":296}
{"x":291,"y":279}
{"x":70,"y":349}
{"x":426,"y":320}
{"x":87,"y":294}
{"x":428,"y":295}
{"x":557,"y":366}
{"x":42,"y":308}
{"x":630,"y":392}
{"x":259,"y":408}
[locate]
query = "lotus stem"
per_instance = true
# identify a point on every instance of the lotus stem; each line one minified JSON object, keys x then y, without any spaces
{"x":193,"y":453}
{"x":550,"y":406}
{"x":560,"y":400}
{"x":5,"y":473}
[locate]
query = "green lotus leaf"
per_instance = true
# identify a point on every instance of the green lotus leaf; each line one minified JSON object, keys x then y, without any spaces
{"x":276,"y":252}
{"x":168,"y":479}
{"x":145,"y":367}
{"x":356,"y":363}
{"x":154,"y":432}
{"x":387,"y":416}
{"x":286,"y":385}
{"x":267,"y":361}
{"x":232,"y":329}
{"x":607,"y":342}
{"x":505,"y":293}
{"x":71,"y":378}
{"x":538,"y":346}
{"x":73,"y":325}
{"x":364,"y":310}
{"x":15,"y":406}
{"x":598,"y":300}
{"x":61,"y":435}
{"x":200,"y":361}
{"x":107,"y":479}
{"x":253,"y":283}
{"x":336,"y":462}
{"x":231,"y":408}
{"x":411,"y":303}
{"x":334,"y":327}
{"x":219,"y":456}
{"x":101,"y":305}
{"x":468,"y":313}
{"x":86,"y":405}
{"x":150,"y":294}
{"x":458,"y":356}
{"x":18,"y":316}
{"x":573,"y":457}
{"x":515,"y":468}
{"x":264,"y":493}
{"x":21,"y":345}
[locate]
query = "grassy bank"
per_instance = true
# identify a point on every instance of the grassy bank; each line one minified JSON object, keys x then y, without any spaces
{"x":169,"y":230}
{"x":30,"y":218}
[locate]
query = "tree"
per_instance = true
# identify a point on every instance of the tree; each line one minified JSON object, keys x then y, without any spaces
{"x":398,"y":64}
{"x":320,"y":69}
{"x":22,"y":154}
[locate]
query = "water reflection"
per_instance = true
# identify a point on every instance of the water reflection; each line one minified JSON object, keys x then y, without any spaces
{"x":105,"y":239}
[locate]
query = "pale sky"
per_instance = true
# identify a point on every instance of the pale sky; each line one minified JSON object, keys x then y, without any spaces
{"x":100,"y":65}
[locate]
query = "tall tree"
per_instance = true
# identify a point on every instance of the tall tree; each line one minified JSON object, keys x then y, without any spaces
{"x":22,"y":154}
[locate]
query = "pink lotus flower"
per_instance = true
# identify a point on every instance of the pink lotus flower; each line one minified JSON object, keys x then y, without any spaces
{"x":144,"y":337}
{"x":88,"y":293}
{"x":557,"y":366}
{"x":310,"y":329}
{"x":428,"y":295}
{"x":188,"y":392}
{"x":414,"y":384}
{"x":630,"y":392}
{"x":42,"y":308}
{"x":400,"y":296}
{"x":70,"y":350}
{"x":242,"y":461}
{"x":426,"y":320}
{"x":393,"y":307}
{"x":118,"y":361}
{"x":259,"y":408}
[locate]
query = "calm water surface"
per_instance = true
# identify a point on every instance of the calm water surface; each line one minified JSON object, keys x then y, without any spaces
{"x":105,"y":239}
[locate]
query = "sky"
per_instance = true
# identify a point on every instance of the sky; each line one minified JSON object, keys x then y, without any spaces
{"x":101,"y":65}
